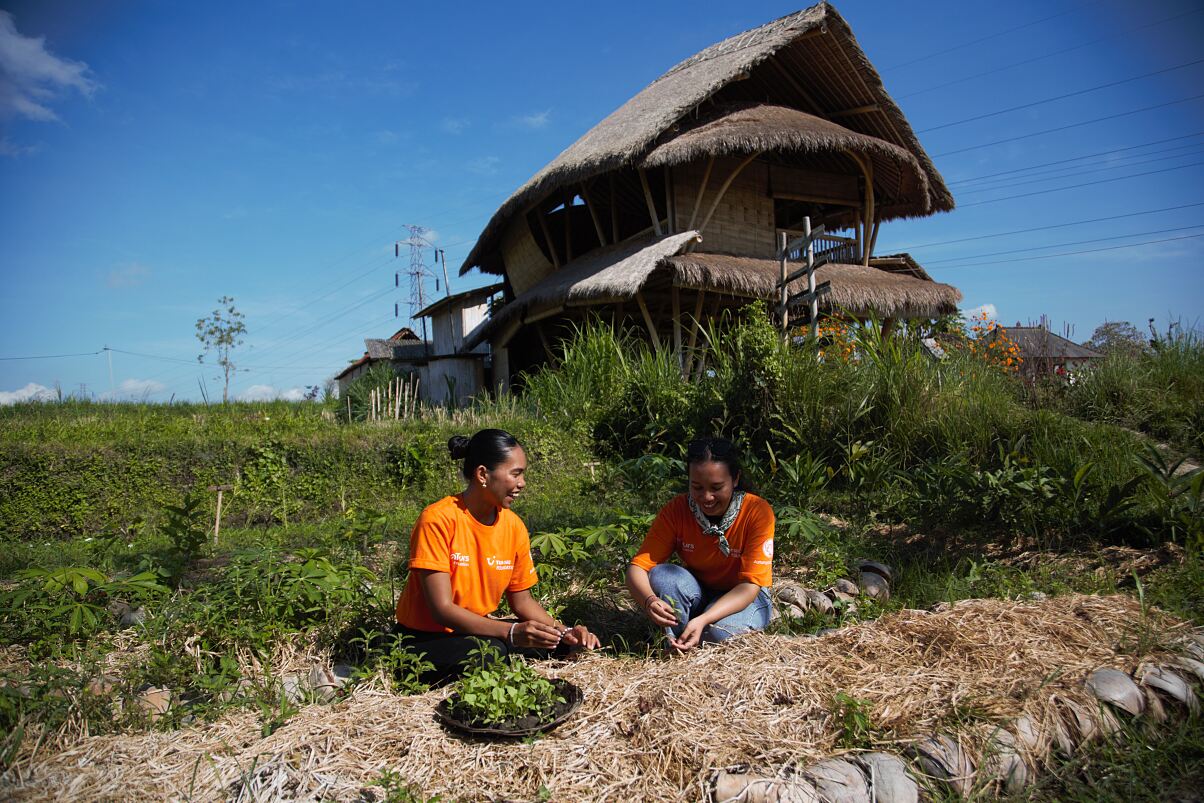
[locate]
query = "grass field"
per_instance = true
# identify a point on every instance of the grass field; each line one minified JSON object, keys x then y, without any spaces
{"x":968,"y":483}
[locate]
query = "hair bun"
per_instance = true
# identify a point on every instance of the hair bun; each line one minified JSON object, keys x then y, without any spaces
{"x":458,"y":446}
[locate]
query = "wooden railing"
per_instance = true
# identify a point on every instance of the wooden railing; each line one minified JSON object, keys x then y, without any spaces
{"x":838,"y":249}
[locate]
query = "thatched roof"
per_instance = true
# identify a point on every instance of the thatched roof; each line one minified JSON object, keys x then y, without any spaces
{"x":815,"y":45}
{"x":746,"y":128}
{"x":1038,"y":343}
{"x":856,"y":289}
{"x":613,"y":273}
{"x":900,"y":263}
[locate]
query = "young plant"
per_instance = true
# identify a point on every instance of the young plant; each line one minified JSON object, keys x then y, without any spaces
{"x":853,"y":717}
{"x":498,"y":692}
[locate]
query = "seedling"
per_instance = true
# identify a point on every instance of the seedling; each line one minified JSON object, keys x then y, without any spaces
{"x":501,"y":692}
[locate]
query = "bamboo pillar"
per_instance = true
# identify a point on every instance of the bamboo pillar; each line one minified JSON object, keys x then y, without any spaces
{"x":676,"y":300}
{"x":656,"y":223}
{"x":723,"y":188}
{"x":656,"y":341}
{"x":702,"y":188}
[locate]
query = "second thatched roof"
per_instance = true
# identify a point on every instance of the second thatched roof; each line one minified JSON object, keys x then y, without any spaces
{"x":856,"y":289}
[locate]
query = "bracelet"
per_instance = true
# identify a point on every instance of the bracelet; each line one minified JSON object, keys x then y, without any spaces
{"x":510,"y":635}
{"x":650,"y":596}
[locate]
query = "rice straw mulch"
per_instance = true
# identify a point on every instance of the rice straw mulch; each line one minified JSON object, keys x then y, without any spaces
{"x":648,"y":729}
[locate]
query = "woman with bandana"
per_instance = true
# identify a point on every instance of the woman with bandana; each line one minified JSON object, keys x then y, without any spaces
{"x":723,"y":536}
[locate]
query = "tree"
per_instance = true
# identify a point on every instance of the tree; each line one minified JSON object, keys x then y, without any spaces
{"x":1120,"y":336}
{"x":221,"y":333}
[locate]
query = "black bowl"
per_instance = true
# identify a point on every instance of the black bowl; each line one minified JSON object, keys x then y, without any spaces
{"x":561,"y":712}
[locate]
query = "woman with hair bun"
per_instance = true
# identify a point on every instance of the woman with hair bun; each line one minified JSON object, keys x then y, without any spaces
{"x":723,"y":536}
{"x":466,"y":551}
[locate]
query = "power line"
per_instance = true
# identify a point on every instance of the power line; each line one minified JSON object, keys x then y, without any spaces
{"x":1062,"y":51}
{"x":1076,"y":186}
{"x":1125,"y":216}
{"x":1075,"y":159}
{"x":987,"y":38}
{"x":1069,"y":126}
{"x":1063,"y":245}
{"x":1075,"y":253}
{"x":1059,"y":97}
{"x":55,"y":356}
{"x":1075,"y":172}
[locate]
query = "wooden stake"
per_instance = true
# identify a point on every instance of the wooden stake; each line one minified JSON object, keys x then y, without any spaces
{"x":217,"y":518}
{"x":656,"y":223}
{"x":811,"y":278}
{"x":874,"y":237}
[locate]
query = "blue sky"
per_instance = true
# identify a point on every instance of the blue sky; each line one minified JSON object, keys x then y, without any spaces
{"x":155,"y":156}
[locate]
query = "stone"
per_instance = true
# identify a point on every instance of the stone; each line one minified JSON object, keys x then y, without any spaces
{"x":154,"y":701}
{"x":819,"y":601}
{"x":944,"y":759}
{"x":846,"y":586}
{"x":888,"y":778}
{"x":102,"y":685}
{"x":1116,"y":688}
{"x":880,"y":569}
{"x":875,"y":586}
{"x":838,"y":781}
{"x":132,"y":617}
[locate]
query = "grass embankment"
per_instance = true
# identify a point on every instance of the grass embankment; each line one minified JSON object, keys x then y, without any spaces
{"x":1001,"y":498}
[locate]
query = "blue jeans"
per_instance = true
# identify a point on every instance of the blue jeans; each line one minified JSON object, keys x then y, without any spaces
{"x":669,"y":580}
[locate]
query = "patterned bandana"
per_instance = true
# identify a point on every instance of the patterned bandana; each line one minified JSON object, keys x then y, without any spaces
{"x":718,"y":530}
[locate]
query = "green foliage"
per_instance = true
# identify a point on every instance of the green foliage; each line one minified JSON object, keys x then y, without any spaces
{"x":68,"y":602}
{"x":497,"y":691}
{"x":396,"y":790}
{"x":221,"y":333}
{"x":853,"y":718}
{"x":186,"y":532}
{"x":386,"y":655}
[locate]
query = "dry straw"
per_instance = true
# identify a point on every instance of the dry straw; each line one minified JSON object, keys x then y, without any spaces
{"x":649,"y":729}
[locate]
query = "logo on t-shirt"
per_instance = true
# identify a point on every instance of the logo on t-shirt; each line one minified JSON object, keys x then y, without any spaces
{"x":501,"y":564}
{"x":459,"y":558}
{"x":767,"y":548}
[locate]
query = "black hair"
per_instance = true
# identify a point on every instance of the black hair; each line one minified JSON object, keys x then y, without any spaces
{"x":717,"y":450}
{"x":488,"y":448}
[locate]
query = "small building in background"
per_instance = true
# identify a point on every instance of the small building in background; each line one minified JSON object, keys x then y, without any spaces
{"x":1045,"y":353}
{"x":454,"y":373}
{"x":404,"y":351}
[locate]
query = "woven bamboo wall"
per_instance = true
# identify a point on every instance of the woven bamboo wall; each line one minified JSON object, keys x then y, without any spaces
{"x":525,"y":263}
{"x":743,"y":222}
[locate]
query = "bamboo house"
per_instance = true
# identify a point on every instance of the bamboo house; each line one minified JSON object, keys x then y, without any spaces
{"x":669,"y":210}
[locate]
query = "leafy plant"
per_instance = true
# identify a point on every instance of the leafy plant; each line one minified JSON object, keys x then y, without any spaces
{"x":386,"y":655}
{"x":69,"y":601}
{"x":499,"y":691}
{"x":187,"y":533}
{"x":853,"y":718}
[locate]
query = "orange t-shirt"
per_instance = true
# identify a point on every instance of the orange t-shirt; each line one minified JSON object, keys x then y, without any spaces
{"x":750,"y":538}
{"x":484,"y":561}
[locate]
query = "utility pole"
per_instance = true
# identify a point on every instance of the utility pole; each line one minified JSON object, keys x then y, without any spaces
{"x":418,"y":270}
{"x":112,"y":389}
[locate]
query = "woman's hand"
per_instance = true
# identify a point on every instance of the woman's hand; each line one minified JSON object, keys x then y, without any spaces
{"x":661,"y":613}
{"x":580,"y":637}
{"x":690,"y":636}
{"x":535,"y":634}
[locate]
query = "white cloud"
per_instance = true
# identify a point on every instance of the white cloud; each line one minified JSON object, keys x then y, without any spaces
{"x":130,"y":275}
{"x":139,"y":388}
{"x":31,"y":76}
{"x":269,"y":393}
{"x":453,"y":125}
{"x":974,"y":312}
{"x":534,"y":120}
{"x":10,"y":148}
{"x":485,"y":165}
{"x":31,"y":392}
{"x":258,"y":393}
